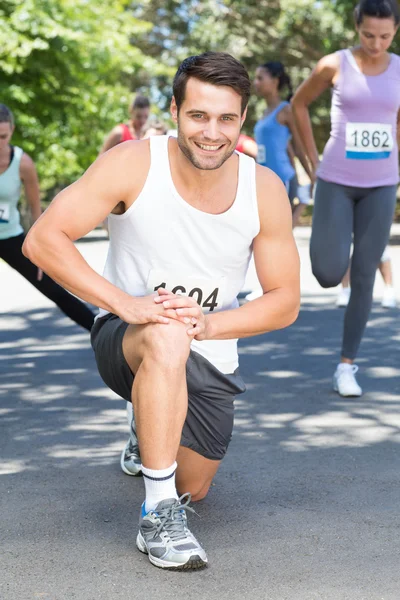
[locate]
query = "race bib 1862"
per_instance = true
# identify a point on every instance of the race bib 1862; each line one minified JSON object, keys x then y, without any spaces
{"x":208,"y":293}
{"x":368,"y":141}
{"x":4,"y":212}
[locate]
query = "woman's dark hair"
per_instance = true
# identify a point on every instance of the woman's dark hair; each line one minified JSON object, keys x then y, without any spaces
{"x":381,"y":9}
{"x":6,"y":115}
{"x":277,"y":70}
{"x":217,"y":68}
{"x":140,"y":102}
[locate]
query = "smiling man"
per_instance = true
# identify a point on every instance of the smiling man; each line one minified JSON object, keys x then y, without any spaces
{"x":185,"y":215}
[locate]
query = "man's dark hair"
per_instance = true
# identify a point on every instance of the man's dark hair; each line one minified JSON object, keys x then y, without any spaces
{"x":6,"y":115}
{"x":381,"y":9}
{"x":217,"y":68}
{"x":140,"y":102}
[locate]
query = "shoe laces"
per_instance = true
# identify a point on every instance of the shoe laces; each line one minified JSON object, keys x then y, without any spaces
{"x":173,"y":518}
{"x":132,"y":450}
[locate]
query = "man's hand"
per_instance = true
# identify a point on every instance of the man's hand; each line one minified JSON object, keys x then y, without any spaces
{"x":140,"y":311}
{"x":150,"y":309}
{"x":39,"y":274}
{"x":187,"y":311}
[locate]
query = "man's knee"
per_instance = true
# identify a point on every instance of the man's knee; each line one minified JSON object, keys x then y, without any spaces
{"x":167,"y":344}
{"x":197,"y":490}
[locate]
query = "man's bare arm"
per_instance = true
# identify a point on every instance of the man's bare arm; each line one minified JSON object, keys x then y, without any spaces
{"x":277,"y":265}
{"x":76,"y":211}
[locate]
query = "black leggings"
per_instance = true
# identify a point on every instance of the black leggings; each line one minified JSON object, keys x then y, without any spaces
{"x":340,"y":214}
{"x":11,"y":252}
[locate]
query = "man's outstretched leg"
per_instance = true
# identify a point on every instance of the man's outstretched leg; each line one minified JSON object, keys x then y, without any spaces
{"x":157,"y":356}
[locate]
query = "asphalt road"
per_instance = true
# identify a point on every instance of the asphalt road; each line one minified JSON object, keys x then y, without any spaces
{"x":306,"y":505}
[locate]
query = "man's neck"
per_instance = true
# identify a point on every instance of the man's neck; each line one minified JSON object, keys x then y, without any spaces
{"x":190,"y":176}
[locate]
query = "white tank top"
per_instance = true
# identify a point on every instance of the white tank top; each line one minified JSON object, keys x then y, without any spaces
{"x":161,"y":240}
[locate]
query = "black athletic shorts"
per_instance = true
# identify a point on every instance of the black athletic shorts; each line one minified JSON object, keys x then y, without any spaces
{"x":209,"y":420}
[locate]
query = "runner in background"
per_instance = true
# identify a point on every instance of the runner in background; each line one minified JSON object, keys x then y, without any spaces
{"x":274,"y":131}
{"x":247,"y":145}
{"x":356,"y":189}
{"x":17,"y":169}
{"x":155,"y":128}
{"x":134,"y":129}
{"x":277,"y":126}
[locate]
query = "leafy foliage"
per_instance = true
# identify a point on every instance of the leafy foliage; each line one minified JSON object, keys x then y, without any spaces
{"x":68,"y":67}
{"x":66,"y":70}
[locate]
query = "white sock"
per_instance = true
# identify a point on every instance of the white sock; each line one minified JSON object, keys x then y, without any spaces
{"x":159,"y":484}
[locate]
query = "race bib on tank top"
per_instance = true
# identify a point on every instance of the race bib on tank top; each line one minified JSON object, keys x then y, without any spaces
{"x":4,"y":212}
{"x":208,"y":293}
{"x":368,"y":141}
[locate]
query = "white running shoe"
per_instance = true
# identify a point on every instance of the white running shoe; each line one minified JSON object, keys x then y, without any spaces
{"x":343,"y":297}
{"x":254,"y":295}
{"x":166,"y":538}
{"x":389,"y":297}
{"x":344,"y":381}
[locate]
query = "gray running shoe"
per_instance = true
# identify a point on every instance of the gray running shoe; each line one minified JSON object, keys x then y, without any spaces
{"x":165,"y":537}
{"x":131,"y":463}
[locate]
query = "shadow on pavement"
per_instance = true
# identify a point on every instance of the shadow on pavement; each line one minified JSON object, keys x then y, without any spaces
{"x":307,"y":470}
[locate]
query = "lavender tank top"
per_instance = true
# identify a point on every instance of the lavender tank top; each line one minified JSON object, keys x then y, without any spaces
{"x":362,"y":150}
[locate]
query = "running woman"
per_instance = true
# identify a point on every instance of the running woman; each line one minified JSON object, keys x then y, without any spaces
{"x":357,"y":179}
{"x":134,"y":129}
{"x":277,"y":127}
{"x":17,"y":169}
{"x":275,"y":130}
{"x":182,"y":229}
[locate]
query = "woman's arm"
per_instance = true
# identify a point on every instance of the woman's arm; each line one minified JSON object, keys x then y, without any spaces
{"x":320,"y":80}
{"x":30,"y":180}
{"x":296,"y":145}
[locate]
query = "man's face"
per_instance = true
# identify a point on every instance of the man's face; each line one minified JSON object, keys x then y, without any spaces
{"x":139,"y":117}
{"x":209,"y":123}
{"x":6,"y":132}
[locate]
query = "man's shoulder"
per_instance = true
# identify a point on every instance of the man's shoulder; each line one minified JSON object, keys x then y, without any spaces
{"x":132,"y":150}
{"x":272,"y":198}
{"x":265,"y":176}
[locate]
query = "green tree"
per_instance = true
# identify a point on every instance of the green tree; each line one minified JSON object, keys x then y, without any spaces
{"x":66,"y":70}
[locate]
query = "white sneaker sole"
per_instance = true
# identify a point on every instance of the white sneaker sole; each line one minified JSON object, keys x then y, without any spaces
{"x":391,"y":304}
{"x":193,"y":562}
{"x":336,"y":389}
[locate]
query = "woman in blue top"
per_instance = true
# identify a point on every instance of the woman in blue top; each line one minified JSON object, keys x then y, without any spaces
{"x":273,"y":134}
{"x":277,"y":127}
{"x":17,"y":169}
